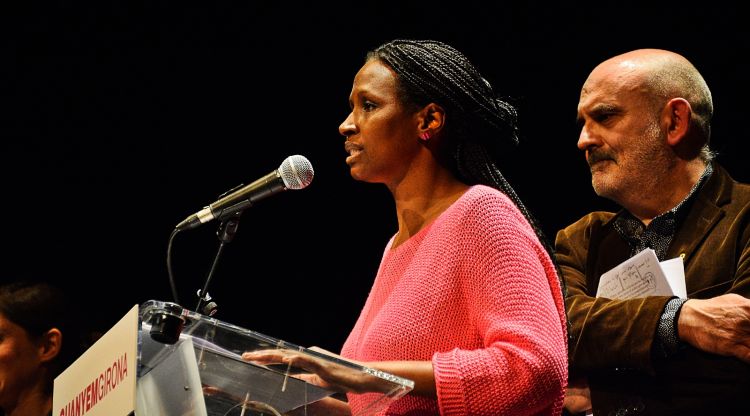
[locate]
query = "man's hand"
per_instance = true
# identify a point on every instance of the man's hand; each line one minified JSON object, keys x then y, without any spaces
{"x":719,"y":325}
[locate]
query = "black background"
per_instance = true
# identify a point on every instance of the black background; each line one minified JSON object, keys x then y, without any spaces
{"x":122,"y":118}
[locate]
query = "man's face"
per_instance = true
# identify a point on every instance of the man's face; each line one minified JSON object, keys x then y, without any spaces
{"x":620,"y":133}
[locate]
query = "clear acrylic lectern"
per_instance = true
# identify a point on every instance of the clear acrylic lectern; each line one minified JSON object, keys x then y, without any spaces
{"x":190,"y":364}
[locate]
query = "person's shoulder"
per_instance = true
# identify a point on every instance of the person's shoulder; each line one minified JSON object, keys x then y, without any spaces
{"x":578,"y":233}
{"x":489,"y":208}
{"x":589,"y":220}
{"x":479,"y":190}
{"x":486,"y":194}
{"x":723,"y":189}
{"x":483,"y":201}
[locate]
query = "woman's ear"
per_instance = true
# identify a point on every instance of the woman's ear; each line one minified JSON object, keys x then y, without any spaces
{"x":50,"y":345}
{"x":431,"y":120}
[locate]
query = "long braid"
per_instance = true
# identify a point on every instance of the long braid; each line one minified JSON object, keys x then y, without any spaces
{"x":432,"y":71}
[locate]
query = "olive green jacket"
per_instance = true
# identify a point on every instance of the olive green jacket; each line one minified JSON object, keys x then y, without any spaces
{"x":611,"y":340}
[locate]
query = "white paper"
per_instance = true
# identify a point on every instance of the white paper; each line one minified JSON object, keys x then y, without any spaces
{"x":674,"y":270}
{"x":642,"y":275}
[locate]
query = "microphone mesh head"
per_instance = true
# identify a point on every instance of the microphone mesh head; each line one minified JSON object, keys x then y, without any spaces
{"x":296,"y":172}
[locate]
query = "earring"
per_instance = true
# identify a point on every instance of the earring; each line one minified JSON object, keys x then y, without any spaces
{"x":424,"y":136}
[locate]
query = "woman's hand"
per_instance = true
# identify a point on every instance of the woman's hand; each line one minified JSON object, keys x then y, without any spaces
{"x":321,"y":372}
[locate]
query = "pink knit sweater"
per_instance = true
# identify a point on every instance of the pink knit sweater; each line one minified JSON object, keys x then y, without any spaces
{"x":476,"y":293}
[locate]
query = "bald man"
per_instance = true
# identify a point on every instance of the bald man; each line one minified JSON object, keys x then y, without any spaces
{"x":645,"y":127}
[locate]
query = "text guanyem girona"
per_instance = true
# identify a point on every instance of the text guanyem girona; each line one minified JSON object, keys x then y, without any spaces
{"x":95,"y":391}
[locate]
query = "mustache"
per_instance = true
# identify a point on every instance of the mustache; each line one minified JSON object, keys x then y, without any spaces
{"x":595,"y":156}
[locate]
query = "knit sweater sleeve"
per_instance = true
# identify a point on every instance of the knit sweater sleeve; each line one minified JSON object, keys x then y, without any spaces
{"x":516,"y":306}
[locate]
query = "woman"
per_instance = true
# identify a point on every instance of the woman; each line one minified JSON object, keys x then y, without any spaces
{"x":466,"y":302}
{"x":33,"y":319}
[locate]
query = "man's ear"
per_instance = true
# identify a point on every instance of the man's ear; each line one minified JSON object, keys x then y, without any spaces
{"x":50,"y":345}
{"x":677,"y":113}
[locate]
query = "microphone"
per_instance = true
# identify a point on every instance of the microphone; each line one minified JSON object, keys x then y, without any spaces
{"x":295,"y":172}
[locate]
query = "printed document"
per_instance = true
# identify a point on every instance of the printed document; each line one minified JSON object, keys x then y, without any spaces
{"x":643,"y":275}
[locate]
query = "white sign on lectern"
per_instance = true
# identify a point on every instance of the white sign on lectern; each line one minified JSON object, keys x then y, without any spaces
{"x":102,"y":381}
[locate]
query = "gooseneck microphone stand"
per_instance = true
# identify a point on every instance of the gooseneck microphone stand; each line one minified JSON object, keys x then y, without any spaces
{"x":226,"y":232}
{"x":228,"y":224}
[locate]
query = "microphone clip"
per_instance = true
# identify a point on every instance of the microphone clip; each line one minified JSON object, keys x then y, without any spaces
{"x":210,"y":307}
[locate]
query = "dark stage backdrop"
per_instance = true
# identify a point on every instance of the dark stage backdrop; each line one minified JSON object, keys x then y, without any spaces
{"x":122,"y":118}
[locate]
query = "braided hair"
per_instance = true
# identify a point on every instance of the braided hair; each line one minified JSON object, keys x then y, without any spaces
{"x":432,"y":71}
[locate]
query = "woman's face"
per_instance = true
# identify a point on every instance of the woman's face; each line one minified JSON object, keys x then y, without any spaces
{"x":20,"y":364}
{"x":381,"y":133}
